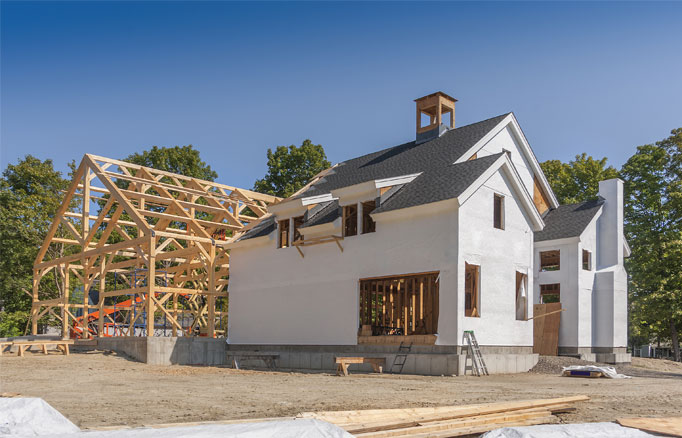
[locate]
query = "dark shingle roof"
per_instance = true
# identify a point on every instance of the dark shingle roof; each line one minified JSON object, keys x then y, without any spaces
{"x":262,"y":228}
{"x":328,"y":213}
{"x":406,"y":159}
{"x":446,"y":182}
{"x":568,"y":220}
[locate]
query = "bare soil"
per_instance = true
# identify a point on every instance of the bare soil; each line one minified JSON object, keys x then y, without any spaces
{"x":96,"y":389}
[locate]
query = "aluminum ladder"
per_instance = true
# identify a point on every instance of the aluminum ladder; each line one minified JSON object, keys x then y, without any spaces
{"x":400,"y":358}
{"x":474,"y":352}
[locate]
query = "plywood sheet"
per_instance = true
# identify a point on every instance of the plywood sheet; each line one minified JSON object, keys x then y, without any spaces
{"x":671,"y":426}
{"x":546,"y":329}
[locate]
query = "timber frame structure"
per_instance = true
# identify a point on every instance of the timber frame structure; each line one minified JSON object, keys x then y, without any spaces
{"x":153,"y":250}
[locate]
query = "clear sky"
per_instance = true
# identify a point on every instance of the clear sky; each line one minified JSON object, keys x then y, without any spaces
{"x":236,"y":78}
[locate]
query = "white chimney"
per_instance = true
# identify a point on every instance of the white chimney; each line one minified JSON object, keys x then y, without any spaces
{"x":611,"y":240}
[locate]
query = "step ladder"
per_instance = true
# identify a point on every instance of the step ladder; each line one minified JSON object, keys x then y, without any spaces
{"x":400,"y":358}
{"x":474,"y":353}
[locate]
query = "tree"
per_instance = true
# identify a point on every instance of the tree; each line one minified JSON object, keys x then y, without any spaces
{"x":290,"y":168}
{"x":653,"y":227}
{"x":29,"y":197}
{"x":184,"y":160}
{"x":577,"y":180}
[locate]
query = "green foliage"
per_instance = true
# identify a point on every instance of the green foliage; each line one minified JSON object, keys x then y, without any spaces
{"x":290,"y":168}
{"x":29,"y":197}
{"x":13,"y":324}
{"x":577,"y":180}
{"x":184,"y":160}
{"x":653,"y":227}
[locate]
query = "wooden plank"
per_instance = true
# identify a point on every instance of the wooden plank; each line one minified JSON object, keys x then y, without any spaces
{"x":671,"y":426}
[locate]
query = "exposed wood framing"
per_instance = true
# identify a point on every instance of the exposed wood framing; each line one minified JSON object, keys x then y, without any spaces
{"x":131,"y":246}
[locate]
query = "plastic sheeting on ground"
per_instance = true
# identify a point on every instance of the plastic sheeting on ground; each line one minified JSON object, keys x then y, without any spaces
{"x":609,"y":372}
{"x":31,"y":417}
{"x":584,"y":430}
{"x":28,"y":417}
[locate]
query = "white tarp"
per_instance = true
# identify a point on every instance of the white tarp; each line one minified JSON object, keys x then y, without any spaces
{"x":27,"y":416}
{"x":300,"y":428}
{"x":609,"y":372}
{"x":585,"y":430}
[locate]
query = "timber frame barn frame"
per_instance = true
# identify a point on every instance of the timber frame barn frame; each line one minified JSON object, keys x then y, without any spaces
{"x":154,"y":249}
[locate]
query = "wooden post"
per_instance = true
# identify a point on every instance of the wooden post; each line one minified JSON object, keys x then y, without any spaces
{"x":35,"y":309}
{"x":66,"y":288}
{"x":175,"y":314}
{"x":151,"y":285}
{"x":211,"y":290}
{"x":102,"y":288}
{"x":87,"y":281}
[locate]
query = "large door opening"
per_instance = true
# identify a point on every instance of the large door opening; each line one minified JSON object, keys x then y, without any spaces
{"x":399,"y":306}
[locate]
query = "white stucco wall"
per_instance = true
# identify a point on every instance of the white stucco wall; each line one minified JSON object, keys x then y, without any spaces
{"x":278,"y":297}
{"x":506,"y":140}
{"x":595,"y":300}
{"x":499,"y":253}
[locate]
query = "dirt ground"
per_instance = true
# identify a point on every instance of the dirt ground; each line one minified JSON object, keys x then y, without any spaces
{"x":96,"y":389}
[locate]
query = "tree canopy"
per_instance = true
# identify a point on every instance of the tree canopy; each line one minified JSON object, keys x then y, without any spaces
{"x":653,"y":227}
{"x":290,"y":168}
{"x":184,"y":160}
{"x":577,"y":180}
{"x":29,"y":197}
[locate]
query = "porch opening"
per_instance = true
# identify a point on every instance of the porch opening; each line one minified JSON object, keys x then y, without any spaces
{"x":399,"y":306}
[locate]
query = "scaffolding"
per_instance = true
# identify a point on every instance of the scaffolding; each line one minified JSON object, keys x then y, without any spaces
{"x":149,"y":224}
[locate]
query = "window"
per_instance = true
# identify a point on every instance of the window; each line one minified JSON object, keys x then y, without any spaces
{"x":521,"y":296}
{"x":550,"y":293}
{"x":498,"y":212}
{"x":368,"y":224}
{"x":587,"y":260}
{"x":350,"y":220}
{"x":549,"y":260}
{"x":471,"y":290}
{"x":283,"y":233}
{"x":298,"y":221}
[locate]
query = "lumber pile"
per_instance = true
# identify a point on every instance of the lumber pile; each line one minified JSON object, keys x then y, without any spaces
{"x":446,"y":421}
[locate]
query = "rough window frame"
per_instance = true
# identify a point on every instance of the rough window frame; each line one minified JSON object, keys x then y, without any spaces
{"x":587,"y":260}
{"x":472,"y":290}
{"x":350,"y":220}
{"x":368,"y":224}
{"x":521,"y":302}
{"x":283,"y":233}
{"x":550,"y":260}
{"x":498,"y":211}
{"x":551,"y":289}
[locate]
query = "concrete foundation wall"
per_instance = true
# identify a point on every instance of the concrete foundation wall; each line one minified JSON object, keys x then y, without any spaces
{"x":426,"y":360}
{"x":169,"y":351}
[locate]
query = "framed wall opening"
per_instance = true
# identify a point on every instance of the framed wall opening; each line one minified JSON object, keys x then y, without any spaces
{"x":472,"y":274}
{"x":350,"y":220}
{"x":550,"y":293}
{"x":521,"y":296}
{"x":550,"y":260}
{"x":587,"y":260}
{"x":398,"y":306}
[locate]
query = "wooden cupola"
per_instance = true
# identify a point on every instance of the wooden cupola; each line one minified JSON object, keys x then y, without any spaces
{"x":431,"y":110}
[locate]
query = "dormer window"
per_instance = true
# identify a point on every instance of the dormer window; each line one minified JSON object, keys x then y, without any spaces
{"x":298,"y":222}
{"x":368,"y":224}
{"x":350,"y":220}
{"x":283,"y":231}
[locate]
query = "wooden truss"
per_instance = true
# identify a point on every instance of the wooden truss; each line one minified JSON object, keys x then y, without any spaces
{"x":141,"y":245}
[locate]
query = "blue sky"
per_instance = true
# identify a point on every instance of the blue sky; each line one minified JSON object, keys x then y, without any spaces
{"x":236,"y":78}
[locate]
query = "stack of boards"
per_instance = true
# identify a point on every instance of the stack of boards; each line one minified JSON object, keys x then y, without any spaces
{"x":446,"y":421}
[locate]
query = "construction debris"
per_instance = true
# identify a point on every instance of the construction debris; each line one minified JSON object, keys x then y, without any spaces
{"x":592,"y":371}
{"x":446,"y":421}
